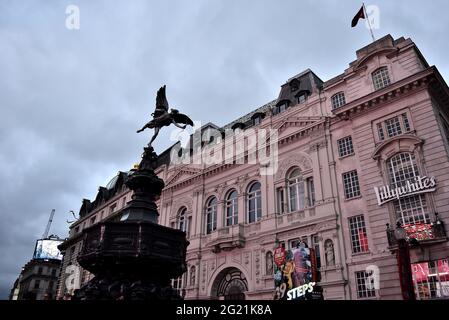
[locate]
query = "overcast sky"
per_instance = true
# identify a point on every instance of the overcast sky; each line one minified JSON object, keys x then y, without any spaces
{"x":71,"y":100}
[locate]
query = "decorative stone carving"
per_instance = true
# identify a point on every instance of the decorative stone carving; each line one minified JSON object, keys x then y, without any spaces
{"x":269,"y":263}
{"x":192,"y":275}
{"x":329,"y":252}
{"x":300,"y":159}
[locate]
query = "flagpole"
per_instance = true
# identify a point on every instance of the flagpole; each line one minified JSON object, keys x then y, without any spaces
{"x":369,"y":23}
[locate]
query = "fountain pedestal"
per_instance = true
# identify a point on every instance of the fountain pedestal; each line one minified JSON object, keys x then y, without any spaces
{"x":134,"y":258}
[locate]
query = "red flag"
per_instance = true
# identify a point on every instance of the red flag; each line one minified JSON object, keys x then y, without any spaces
{"x":358,"y":16}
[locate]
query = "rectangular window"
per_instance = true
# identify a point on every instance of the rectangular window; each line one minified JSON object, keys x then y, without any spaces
{"x":431,"y":279}
{"x":345,"y":147}
{"x":412,"y":210}
{"x":50,"y":285}
{"x":92,"y":220}
{"x":406,"y":122}
{"x":351,"y":184}
{"x":39,"y":270}
{"x":311,"y":192}
{"x":381,"y":78}
{"x":53,"y":272}
{"x":359,"y":239}
{"x":295,"y":243}
{"x":380,"y":132}
{"x":37,"y":284}
{"x":393,"y":126}
{"x":301,"y":98}
{"x":189,"y":223}
{"x":338,"y":100}
{"x":280,"y":200}
{"x":365,"y":285}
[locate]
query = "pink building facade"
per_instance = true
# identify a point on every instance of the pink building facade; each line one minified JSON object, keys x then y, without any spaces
{"x":383,"y":122}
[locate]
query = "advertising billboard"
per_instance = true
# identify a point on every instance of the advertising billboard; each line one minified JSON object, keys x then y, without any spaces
{"x":295,"y":274}
{"x":47,"y":249}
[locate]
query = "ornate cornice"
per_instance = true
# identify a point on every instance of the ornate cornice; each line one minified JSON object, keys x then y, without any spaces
{"x":387,"y":94}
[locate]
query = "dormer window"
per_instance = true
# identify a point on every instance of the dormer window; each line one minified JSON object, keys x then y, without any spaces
{"x":301,"y":98}
{"x":281,"y":107}
{"x":238,"y":125}
{"x":338,"y":100}
{"x":381,"y":78}
{"x":294,"y":85}
{"x":257,"y":118}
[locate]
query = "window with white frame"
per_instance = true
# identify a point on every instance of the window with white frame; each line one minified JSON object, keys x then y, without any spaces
{"x":345,"y":147}
{"x":359,"y":239}
{"x":365,"y":285}
{"x":338,"y":100}
{"x":179,"y":284}
{"x":295,"y":191}
{"x":211,"y":215}
{"x":280,"y":200}
{"x":254,"y":203}
{"x":381,"y":78}
{"x":380,"y":132}
{"x":393,"y":127}
{"x":402,"y":167}
{"x":182,"y":219}
{"x":351,"y":184}
{"x":311,"y":192}
{"x":296,"y":243}
{"x":232,"y":208}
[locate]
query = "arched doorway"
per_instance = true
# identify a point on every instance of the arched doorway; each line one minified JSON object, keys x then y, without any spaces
{"x":230,"y":284}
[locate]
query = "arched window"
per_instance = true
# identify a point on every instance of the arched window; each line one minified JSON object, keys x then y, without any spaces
{"x":232,"y":208}
{"x":254,"y":203}
{"x":182,"y":225}
{"x":338,"y":100}
{"x":413,"y":209}
{"x":211,"y":215}
{"x":381,"y":78}
{"x":295,"y":191}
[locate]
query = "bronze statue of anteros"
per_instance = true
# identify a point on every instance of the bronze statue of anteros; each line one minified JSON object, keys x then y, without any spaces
{"x":162,"y":118}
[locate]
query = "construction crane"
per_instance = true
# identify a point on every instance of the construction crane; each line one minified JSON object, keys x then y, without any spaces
{"x":50,"y":220}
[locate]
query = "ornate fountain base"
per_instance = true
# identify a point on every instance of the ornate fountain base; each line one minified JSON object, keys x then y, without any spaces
{"x":132,"y":261}
{"x":136,"y":258}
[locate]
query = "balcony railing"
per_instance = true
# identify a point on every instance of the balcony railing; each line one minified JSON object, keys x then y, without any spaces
{"x":420,"y":233}
{"x":227,"y":238}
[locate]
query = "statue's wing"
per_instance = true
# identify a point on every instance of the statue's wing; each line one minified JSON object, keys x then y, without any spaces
{"x":161,"y":100}
{"x":182,"y":118}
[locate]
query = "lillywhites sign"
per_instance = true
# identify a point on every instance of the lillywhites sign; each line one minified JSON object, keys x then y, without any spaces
{"x":420,"y":185}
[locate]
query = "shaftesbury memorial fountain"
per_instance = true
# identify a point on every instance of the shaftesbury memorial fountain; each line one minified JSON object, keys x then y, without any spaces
{"x":135,"y":258}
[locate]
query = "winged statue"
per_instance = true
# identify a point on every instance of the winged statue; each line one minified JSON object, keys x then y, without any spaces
{"x":163,"y":118}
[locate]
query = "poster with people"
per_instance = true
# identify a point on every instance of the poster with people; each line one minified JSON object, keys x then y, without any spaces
{"x":294,"y":268}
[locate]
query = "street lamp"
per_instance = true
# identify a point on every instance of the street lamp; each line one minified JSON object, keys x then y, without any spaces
{"x":404,"y":264}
